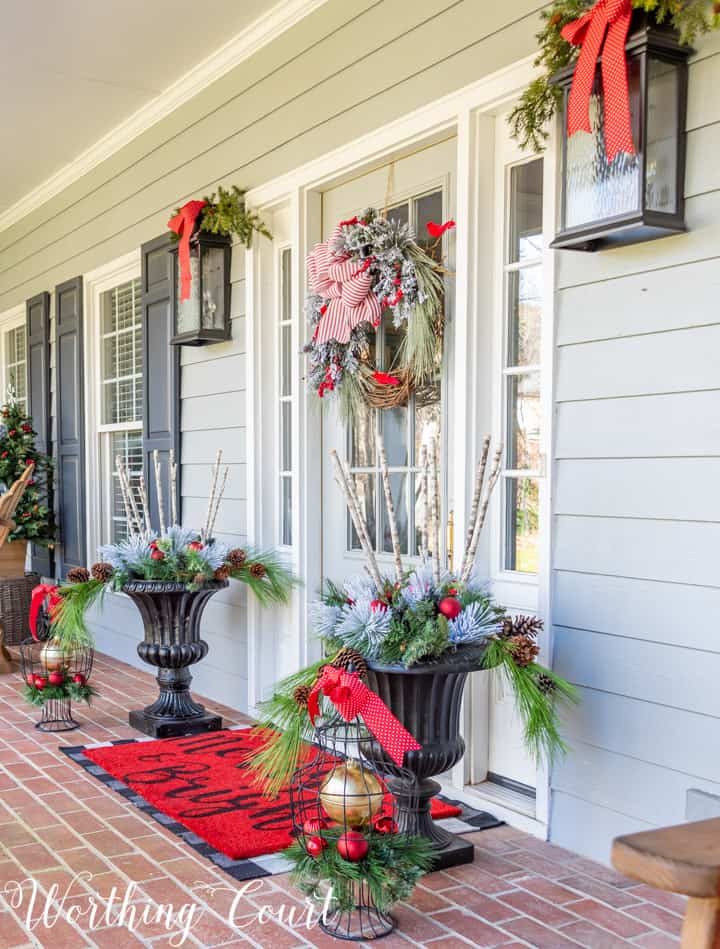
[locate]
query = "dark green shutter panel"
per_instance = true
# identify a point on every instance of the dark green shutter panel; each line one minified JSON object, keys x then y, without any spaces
{"x":37,"y":323}
{"x":161,"y":371}
{"x":70,"y":424}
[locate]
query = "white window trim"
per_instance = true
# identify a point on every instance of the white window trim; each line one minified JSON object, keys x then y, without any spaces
{"x":9,"y":320}
{"x":465,"y":112}
{"x":280,"y":399}
{"x":96,"y":283}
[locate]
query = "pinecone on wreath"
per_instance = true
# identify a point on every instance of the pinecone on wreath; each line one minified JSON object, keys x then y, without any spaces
{"x":524,"y":649}
{"x":222,"y":573}
{"x":349,"y":657}
{"x":101,"y":571}
{"x":78,"y":575}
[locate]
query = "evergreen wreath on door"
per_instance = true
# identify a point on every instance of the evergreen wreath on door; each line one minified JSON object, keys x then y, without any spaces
{"x":368,"y":265}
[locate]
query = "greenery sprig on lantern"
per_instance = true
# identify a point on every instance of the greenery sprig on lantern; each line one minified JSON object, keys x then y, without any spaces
{"x":225,"y":212}
{"x":530,"y":118}
{"x":34,"y":520}
{"x":56,"y":686}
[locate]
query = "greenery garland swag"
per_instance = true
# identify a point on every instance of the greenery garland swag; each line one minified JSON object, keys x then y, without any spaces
{"x":390,"y":869}
{"x":226,"y":213}
{"x":370,"y":265}
{"x":531,"y":116}
{"x":34,"y":520}
{"x":38,"y":689}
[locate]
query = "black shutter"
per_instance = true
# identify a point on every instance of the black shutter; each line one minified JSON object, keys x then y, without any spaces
{"x":161,"y":371}
{"x":70,"y":424}
{"x":37,"y":322}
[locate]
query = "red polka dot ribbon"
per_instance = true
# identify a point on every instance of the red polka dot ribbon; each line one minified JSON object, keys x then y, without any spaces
{"x":611,"y":17}
{"x":351,"y":697}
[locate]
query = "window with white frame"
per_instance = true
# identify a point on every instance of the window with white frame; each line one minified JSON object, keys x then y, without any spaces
{"x":285,"y":397}
{"x":121,"y":408}
{"x":523,"y":303}
{"x":15,"y":365}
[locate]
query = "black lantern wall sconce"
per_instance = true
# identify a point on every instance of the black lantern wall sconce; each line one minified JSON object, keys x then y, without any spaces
{"x":204,"y":316}
{"x":635,"y":197}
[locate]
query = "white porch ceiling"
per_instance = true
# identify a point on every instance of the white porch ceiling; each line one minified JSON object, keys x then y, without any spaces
{"x":73,"y":70}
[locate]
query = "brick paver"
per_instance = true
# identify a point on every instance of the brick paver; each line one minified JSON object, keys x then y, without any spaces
{"x":56,"y":822}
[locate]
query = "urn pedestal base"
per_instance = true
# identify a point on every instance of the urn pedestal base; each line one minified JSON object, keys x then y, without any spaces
{"x":173,"y":728}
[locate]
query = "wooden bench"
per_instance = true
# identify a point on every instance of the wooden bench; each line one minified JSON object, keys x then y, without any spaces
{"x":683,"y":859}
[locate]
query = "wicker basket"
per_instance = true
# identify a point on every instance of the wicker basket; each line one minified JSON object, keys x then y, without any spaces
{"x":15,"y":596}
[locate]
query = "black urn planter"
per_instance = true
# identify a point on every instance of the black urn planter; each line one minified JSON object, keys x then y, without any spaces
{"x":427,"y":699}
{"x":171,"y":617}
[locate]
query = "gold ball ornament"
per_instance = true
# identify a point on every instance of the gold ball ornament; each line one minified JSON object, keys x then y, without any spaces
{"x":351,"y":795}
{"x":53,"y":657}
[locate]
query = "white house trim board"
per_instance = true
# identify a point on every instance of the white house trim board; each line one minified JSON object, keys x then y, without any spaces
{"x":464,"y":113}
{"x":9,"y":320}
{"x":262,"y":31}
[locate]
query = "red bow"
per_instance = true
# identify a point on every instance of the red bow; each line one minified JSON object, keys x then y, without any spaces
{"x":40,"y":593}
{"x":588,"y":32}
{"x":183,"y":225}
{"x":437,"y":230}
{"x":351,"y":698}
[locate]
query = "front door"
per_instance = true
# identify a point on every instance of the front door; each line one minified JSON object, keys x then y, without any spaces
{"x":415,"y":189}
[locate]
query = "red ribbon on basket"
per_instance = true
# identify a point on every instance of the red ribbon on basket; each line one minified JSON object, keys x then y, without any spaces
{"x":183,"y":225}
{"x":40,"y":593}
{"x":611,"y":17}
{"x":351,"y":697}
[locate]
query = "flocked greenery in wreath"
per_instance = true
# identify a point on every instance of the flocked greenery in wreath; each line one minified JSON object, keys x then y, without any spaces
{"x":368,"y":266}
{"x":226,"y":213}
{"x":529,"y":119}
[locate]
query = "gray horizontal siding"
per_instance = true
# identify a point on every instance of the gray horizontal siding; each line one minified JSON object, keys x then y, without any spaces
{"x":636,"y":591}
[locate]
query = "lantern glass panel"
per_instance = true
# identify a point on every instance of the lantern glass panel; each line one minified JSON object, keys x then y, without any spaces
{"x":662,"y":136}
{"x":213,"y":288}
{"x":595,"y":188}
{"x":187,"y":318}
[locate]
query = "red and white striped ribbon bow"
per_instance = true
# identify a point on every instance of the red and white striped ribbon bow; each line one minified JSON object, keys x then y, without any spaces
{"x":347,"y":286}
{"x":589,"y":32}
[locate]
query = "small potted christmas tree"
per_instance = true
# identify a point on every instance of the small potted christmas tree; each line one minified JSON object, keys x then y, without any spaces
{"x":34,"y":519}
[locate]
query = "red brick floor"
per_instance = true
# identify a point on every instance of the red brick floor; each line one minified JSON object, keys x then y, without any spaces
{"x":58,"y":826}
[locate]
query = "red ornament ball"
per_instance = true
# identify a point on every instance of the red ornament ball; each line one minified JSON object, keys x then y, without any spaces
{"x":450,"y":607}
{"x":353,"y":846}
{"x":376,"y":605}
{"x":79,"y":678}
{"x":157,"y":554}
{"x":56,"y":678}
{"x":195,"y":545}
{"x":40,"y":682}
{"x":314,"y":825}
{"x":30,"y":679}
{"x":315,"y":846}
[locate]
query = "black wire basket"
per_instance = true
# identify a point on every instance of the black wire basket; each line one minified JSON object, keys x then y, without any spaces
{"x":45,"y":661}
{"x":341,"y":800}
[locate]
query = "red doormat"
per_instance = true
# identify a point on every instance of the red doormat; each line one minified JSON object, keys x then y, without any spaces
{"x":201,"y":783}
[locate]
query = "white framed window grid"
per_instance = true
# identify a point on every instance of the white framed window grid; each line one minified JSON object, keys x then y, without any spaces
{"x":523,"y":293}
{"x":119,"y":384}
{"x":285,"y":396}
